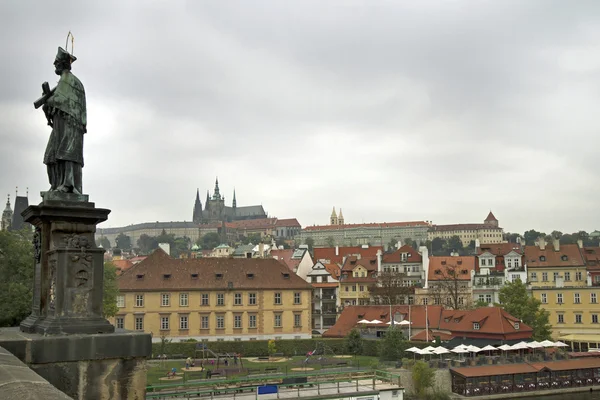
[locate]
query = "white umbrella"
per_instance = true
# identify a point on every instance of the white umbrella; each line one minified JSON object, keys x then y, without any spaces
{"x":395,"y":323}
{"x":560,"y":344}
{"x":413,"y":349}
{"x":440,"y":350}
{"x":405,"y":322}
{"x":505,"y":347}
{"x":429,"y":348}
{"x":424,"y":352}
{"x":519,"y":346}
{"x":547,"y":343}
{"x":534,"y":345}
{"x":489,"y":348}
{"x":461,"y":346}
{"x":473,"y":349}
{"x":459,"y":350}
{"x":364,"y":321}
{"x":375,"y":321}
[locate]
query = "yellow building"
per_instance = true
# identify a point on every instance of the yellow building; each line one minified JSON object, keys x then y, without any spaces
{"x":488,"y":232}
{"x":357,"y":275}
{"x":558,"y":278}
{"x":214,"y":299}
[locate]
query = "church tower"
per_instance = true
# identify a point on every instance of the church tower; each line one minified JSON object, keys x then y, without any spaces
{"x":334,"y":219}
{"x":6,"y":216}
{"x":341,"y":218}
{"x":234,"y":204}
{"x":216,"y":194}
{"x":197,"y":216}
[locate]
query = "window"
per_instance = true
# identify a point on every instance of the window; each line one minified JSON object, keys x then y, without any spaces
{"x":567,"y":276}
{"x":555,"y":276}
{"x":204,"y":299}
{"x":277,"y":320}
{"x":509,"y":262}
{"x":139,"y":300}
{"x":139,"y":323}
{"x":237,"y":321}
{"x":559,"y":298}
{"x":183,"y":299}
{"x":120,"y":301}
{"x":297,"y":320}
{"x":561,"y":318}
{"x":578,"y":318}
{"x":165,"y":300}
{"x":354,"y":288}
{"x":475,"y":326}
{"x":516,"y":263}
{"x":220,"y":322}
{"x":297,"y":298}
{"x":120,"y":323}
{"x":577,"y":299}
{"x":237,"y":299}
{"x":534,"y":276}
{"x":361,"y":288}
{"x":204,"y":322}
{"x":220,"y":299}
{"x":544,"y":298}
{"x":183,"y":322}
{"x":164,"y":323}
{"x":594,"y":318}
{"x":252,"y":299}
{"x":593,"y":298}
{"x":425,"y":301}
{"x":517,"y":326}
{"x":252,"y":321}
{"x":277,"y":298}
{"x":578,"y":276}
{"x":488,"y":298}
{"x":346,"y":288}
{"x":544,"y":276}
{"x":515,"y":277}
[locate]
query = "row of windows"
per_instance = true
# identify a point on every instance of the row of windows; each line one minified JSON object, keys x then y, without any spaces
{"x":219,"y":321}
{"x":576,"y":298}
{"x":566,"y":276}
{"x":165,"y":299}
{"x":578,"y":318}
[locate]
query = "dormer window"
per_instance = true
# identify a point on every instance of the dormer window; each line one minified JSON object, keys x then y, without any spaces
{"x":166,"y":276}
{"x":219,"y":275}
{"x":456,"y":320}
{"x":464,"y":272}
{"x":542,"y":258}
{"x":194,"y":276}
{"x":285,"y":275}
{"x":446,"y":319}
{"x":459,"y":262}
{"x":438,"y":272}
{"x":443,"y":262}
{"x":250,"y":276}
{"x":475,"y":326}
{"x":140,"y":277}
{"x":516,"y":326}
{"x":564,"y":258}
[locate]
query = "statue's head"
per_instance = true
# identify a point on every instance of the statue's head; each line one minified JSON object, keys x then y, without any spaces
{"x":63,"y":61}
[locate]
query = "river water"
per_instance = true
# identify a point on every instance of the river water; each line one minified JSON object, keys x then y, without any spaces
{"x":567,"y":396}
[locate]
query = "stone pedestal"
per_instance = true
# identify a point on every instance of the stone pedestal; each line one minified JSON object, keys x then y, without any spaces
{"x":93,"y":366}
{"x":69,"y":267}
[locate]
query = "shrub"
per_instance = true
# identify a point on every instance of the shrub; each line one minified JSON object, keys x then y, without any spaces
{"x":422,"y":378}
{"x":354,"y":342}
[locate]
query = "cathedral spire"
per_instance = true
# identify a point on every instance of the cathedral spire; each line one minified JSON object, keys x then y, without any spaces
{"x":207,"y":198}
{"x":6,"y":221}
{"x":234,"y":204}
{"x":197,"y":215}
{"x":340,"y":218}
{"x":216,"y":194}
{"x":334,"y":219}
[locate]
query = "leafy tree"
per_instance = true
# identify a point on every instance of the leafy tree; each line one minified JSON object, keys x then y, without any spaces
{"x":147,"y":243}
{"x":451,"y":289}
{"x":422,"y":378}
{"x":281,"y":242}
{"x":470,"y":249}
{"x":123,"y":242}
{"x":271,"y":347}
{"x":411,"y":243}
{"x":389,"y":288}
{"x":210,"y":240}
{"x":455,"y":244}
{"x":517,"y":302}
{"x":531,"y":236}
{"x":180,"y":245}
{"x":556,"y":234}
{"x":438,"y":246}
{"x":310,"y":242}
{"x":330,"y":241}
{"x":104,"y":242}
{"x":568,"y":239}
{"x":512,"y":237}
{"x":354,"y":342}
{"x":111,"y":290}
{"x":16,"y":276}
{"x":481,"y":303}
{"x":392,"y":346}
{"x":392,"y":244}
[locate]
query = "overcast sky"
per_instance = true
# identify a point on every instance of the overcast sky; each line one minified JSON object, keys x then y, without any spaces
{"x":392,"y":110}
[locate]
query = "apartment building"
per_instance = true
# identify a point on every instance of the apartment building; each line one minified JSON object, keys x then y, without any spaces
{"x":214,"y":299}
{"x":488,"y":232}
{"x":324,"y":279}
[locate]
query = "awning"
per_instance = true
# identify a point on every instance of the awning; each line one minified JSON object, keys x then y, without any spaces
{"x":584,"y":338}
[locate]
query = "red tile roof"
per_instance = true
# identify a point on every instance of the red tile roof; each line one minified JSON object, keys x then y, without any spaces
{"x":524,"y":368}
{"x":122,"y":265}
{"x":289,"y":222}
{"x":285,"y":257}
{"x":491,"y":217}
{"x":333,"y":269}
{"x":328,"y":253}
{"x":423,"y":336}
{"x":441,"y":267}
{"x":500,"y":249}
{"x":351,"y":262}
{"x":161,"y":272}
{"x":396,"y":256}
{"x":553,"y":258}
{"x":491,"y":320}
{"x":592,"y":257}
{"x":461,"y":227}
{"x":263,"y":223}
{"x":369,"y":225}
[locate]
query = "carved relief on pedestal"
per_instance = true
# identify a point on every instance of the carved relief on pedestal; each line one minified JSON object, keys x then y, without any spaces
{"x":37,"y":245}
{"x":52,"y":279}
{"x":75,"y":241}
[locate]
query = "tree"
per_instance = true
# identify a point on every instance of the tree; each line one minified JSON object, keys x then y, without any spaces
{"x":330,"y":241}
{"x":104,"y":242}
{"x":438,"y":246}
{"x":422,"y":378}
{"x":517,"y":302}
{"x":411,"y":243}
{"x":147,"y":243}
{"x":180,"y":245}
{"x":271,"y":347}
{"x":310,"y":242}
{"x":531,"y":236}
{"x":568,"y":239}
{"x":389,"y":288}
{"x":450,"y":288}
{"x":556,"y":234}
{"x":16,"y":276}
{"x":354,"y":342}
{"x":392,"y":244}
{"x":470,"y":249}
{"x":111,"y":290}
{"x":392,"y":346}
{"x":480,"y":304}
{"x":512,"y":237}
{"x":210,"y":240}
{"x":455,"y":244}
{"x":123,"y":242}
{"x":282,"y":243}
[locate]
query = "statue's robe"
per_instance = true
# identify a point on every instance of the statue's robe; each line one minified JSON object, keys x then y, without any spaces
{"x":64,"y":153}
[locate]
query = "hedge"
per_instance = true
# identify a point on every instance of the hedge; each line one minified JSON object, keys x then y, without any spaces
{"x":258,"y":348}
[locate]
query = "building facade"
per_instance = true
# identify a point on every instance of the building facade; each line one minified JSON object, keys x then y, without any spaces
{"x":488,"y":232}
{"x":324,"y":279}
{"x":213,"y":299}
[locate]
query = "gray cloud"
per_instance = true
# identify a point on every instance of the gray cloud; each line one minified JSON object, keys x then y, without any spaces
{"x":391,"y":110}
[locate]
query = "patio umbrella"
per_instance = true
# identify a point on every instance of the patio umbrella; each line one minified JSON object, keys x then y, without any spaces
{"x":534,"y":345}
{"x":440,"y":350}
{"x":405,"y":322}
{"x":560,"y":344}
{"x":505,"y":347}
{"x":375,"y":321}
{"x":489,"y":348}
{"x":459,"y":350}
{"x":364,"y":321}
{"x":424,"y":352}
{"x":413,"y":350}
{"x":547,"y":343}
{"x":461,"y":346}
{"x":395,"y":323}
{"x":429,"y":348}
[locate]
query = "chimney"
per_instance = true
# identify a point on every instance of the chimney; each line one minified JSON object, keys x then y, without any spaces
{"x":542,"y":243}
{"x":378,"y":260}
{"x":261,"y":250}
{"x":580,"y":243}
{"x":337,"y":250}
{"x":519,"y":239}
{"x":556,"y":244}
{"x":477,"y":244}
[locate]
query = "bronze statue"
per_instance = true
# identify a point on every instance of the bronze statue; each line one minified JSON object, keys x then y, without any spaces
{"x":65,"y":111}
